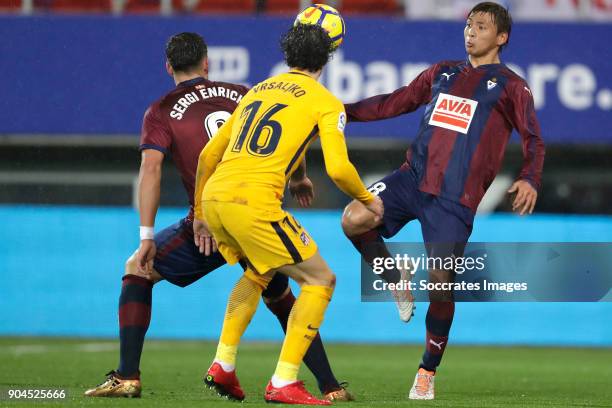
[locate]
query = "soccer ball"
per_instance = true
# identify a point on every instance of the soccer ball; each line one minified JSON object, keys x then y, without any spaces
{"x":328,"y":18}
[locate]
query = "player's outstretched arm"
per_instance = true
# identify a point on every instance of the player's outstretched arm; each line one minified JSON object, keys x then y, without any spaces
{"x":149,"y":187}
{"x":403,"y":100}
{"x":340,"y":169}
{"x":337,"y":163}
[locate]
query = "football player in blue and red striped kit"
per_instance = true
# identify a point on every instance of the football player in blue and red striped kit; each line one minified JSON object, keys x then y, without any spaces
{"x":471,"y":108}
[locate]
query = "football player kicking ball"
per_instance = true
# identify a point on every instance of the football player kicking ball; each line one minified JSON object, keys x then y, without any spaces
{"x":180,"y":124}
{"x":239,"y":188}
{"x":471,"y":108}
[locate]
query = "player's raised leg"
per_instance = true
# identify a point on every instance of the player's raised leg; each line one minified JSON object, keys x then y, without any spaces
{"x":279,"y":299}
{"x":317,"y":283}
{"x":364,"y":230}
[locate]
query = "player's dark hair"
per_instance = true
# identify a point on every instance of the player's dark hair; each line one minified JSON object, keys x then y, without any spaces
{"x":500,"y":15}
{"x":185,"y":51}
{"x":306,"y":46}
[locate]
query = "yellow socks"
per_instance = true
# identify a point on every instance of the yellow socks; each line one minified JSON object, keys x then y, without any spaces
{"x":303,"y":325}
{"x":226,"y":356}
{"x":241,"y":307}
{"x":304,"y":322}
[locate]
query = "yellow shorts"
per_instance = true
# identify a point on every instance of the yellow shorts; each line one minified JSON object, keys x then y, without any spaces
{"x":267,"y":240}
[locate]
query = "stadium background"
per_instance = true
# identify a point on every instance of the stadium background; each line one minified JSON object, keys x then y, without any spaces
{"x":77,"y":77}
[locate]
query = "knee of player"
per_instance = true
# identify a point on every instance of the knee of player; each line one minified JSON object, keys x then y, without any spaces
{"x":131,"y":268}
{"x":328,"y":279}
{"x":332,"y":280}
{"x":262,"y":281}
{"x":322,"y":278}
{"x":355,"y":218}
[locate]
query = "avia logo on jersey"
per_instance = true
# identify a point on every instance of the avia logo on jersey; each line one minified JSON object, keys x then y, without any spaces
{"x":453,"y":113}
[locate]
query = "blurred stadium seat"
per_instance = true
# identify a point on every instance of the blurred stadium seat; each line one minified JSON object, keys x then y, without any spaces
{"x":10,"y":5}
{"x":73,"y":6}
{"x":282,"y":6}
{"x":142,"y":6}
{"x":370,"y":7}
{"x":224,"y":6}
{"x":189,"y":6}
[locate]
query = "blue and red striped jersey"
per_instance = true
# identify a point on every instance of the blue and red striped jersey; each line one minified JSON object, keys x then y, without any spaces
{"x":185,"y":119}
{"x":469,"y":116}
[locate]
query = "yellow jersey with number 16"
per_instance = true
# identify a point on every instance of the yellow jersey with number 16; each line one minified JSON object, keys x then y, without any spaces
{"x":266,"y":138}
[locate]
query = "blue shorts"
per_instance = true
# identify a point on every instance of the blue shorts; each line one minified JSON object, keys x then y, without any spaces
{"x":179,"y":261}
{"x":446,"y":225}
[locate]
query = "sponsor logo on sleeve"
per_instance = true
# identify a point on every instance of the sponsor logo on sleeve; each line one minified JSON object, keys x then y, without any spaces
{"x":453,"y":113}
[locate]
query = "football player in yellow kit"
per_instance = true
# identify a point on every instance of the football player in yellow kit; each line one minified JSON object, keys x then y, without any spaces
{"x":240,"y":182}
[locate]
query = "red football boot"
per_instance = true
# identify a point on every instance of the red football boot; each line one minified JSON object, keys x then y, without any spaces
{"x":294,"y":393}
{"x":224,"y":383}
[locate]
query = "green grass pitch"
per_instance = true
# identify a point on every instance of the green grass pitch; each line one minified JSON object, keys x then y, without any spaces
{"x":379,"y":375}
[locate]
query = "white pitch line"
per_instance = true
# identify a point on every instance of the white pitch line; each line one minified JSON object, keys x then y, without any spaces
{"x":97,"y":347}
{"x":22,"y":349}
{"x":93,"y":347}
{"x":27,"y":349}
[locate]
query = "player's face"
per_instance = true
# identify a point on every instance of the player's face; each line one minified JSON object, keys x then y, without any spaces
{"x":480,"y":34}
